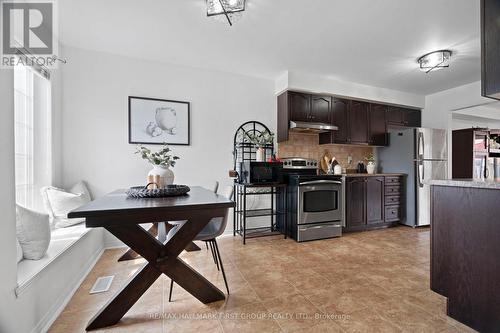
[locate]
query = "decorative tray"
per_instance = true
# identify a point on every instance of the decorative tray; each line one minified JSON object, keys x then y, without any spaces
{"x":168,"y":191}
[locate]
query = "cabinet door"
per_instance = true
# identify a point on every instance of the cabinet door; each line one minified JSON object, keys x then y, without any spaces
{"x":321,"y":109}
{"x":374,"y":200}
{"x":358,"y":120}
{"x":355,"y":202}
{"x":412,"y":118}
{"x":378,"y":125}
{"x":341,"y":120}
{"x":395,"y":116}
{"x":300,"y":106}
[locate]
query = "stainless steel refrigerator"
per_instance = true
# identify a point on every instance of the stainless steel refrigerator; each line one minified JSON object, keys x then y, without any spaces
{"x":421,"y":153}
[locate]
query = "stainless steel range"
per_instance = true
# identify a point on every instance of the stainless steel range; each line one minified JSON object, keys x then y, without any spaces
{"x":315,"y":203}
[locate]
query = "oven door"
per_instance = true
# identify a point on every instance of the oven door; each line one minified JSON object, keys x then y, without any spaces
{"x":320,"y":201}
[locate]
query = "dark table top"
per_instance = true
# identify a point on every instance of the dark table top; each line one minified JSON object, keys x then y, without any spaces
{"x":117,"y":203}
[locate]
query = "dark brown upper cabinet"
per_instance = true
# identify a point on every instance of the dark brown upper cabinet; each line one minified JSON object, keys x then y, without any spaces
{"x":402,"y":117}
{"x":378,"y":125}
{"x":358,"y":122}
{"x":340,"y":118}
{"x":310,"y":108}
{"x":300,"y":106}
{"x":490,"y":48}
{"x":321,"y":109}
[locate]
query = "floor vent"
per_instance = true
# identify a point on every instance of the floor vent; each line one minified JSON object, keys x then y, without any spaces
{"x":102,"y":284}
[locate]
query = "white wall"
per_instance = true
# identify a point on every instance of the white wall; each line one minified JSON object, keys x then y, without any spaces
{"x":95,"y":118}
{"x":329,"y":85}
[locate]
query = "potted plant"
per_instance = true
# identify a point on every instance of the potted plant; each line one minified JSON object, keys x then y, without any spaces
{"x":260,"y":141}
{"x":162,"y":160}
{"x":371,"y":165}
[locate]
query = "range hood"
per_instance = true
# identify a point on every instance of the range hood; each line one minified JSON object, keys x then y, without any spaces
{"x":307,"y":127}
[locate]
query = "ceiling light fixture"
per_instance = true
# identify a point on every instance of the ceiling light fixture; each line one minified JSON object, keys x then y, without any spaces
{"x":435,"y":60}
{"x":231,"y":10}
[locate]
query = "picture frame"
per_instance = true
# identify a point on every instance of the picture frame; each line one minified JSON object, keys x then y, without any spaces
{"x":155,"y":121}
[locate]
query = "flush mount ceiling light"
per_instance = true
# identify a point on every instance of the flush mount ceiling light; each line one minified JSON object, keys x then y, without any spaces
{"x":434,"y":60}
{"x":230,"y":10}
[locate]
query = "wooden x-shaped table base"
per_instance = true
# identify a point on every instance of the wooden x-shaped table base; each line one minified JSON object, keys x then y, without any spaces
{"x":162,"y":259}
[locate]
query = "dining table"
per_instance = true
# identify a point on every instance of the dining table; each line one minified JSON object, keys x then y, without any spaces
{"x":122,"y":216}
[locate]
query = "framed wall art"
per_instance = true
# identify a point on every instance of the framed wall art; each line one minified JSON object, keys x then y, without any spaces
{"x":158,"y":121}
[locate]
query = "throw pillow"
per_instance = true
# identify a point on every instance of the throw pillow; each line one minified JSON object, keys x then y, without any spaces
{"x":59,"y":203}
{"x":19,"y":251}
{"x":33,"y":232}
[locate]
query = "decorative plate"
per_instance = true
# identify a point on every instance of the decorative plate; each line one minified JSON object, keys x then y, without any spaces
{"x":168,"y":191}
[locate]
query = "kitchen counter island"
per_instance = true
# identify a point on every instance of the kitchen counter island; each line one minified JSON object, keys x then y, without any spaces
{"x":465,"y":250}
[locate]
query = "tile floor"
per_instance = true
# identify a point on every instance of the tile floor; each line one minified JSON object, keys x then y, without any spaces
{"x":375,"y":281}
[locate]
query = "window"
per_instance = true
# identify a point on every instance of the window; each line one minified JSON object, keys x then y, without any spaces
{"x":33,"y":141}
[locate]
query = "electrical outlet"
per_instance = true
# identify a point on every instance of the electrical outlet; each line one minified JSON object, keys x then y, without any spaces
{"x":349,"y":159}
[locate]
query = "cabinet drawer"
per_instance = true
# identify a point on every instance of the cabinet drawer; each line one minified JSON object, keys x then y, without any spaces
{"x":393,"y":200}
{"x":392,"y":190}
{"x":392,"y":213}
{"x":392,"y":180}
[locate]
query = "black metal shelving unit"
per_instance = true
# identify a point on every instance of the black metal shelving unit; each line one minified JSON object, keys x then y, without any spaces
{"x":242,"y":214}
{"x":244,"y":151}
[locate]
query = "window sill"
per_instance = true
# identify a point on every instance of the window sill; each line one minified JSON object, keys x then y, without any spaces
{"x":61,"y":240}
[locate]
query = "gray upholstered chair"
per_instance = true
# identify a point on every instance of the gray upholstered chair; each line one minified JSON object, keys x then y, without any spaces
{"x":209,"y":235}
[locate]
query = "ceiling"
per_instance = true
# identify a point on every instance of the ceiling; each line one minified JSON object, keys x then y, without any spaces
{"x":364,"y":41}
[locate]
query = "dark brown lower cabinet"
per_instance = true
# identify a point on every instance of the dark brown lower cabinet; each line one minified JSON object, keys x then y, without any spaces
{"x":465,"y":251}
{"x":355,"y":202}
{"x":371,"y":204}
{"x":374,"y":200}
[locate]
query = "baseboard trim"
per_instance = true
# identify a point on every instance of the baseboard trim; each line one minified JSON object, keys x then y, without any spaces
{"x":45,"y":324}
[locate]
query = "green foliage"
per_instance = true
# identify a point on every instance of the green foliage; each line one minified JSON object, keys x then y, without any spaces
{"x":163,"y":157}
{"x":260,"y":139}
{"x":370,"y":158}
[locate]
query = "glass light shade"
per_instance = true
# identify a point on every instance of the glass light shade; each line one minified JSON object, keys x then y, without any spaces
{"x":435,"y":60}
{"x":216,"y":7}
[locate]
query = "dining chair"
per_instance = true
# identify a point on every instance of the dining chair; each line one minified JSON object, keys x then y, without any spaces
{"x":209,"y":235}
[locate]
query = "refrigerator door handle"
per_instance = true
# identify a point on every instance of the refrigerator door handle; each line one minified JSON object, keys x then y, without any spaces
{"x":420,"y":175}
{"x":420,"y":145}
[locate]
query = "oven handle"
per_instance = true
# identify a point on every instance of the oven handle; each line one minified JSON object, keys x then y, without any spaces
{"x":319,"y":182}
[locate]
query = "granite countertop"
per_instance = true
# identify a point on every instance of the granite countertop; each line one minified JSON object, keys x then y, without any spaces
{"x":486,"y":184}
{"x":373,"y":175}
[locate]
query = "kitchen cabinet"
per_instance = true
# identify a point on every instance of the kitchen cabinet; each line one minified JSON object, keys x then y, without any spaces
{"x":470,"y":148}
{"x":403,"y":117}
{"x":355,"y":202}
{"x":310,"y":108}
{"x":378,"y":125}
{"x":373,"y":202}
{"x":340,"y":118}
{"x":300,"y":106}
{"x":358,"y":122}
{"x":321,"y":109}
{"x":490,"y":49}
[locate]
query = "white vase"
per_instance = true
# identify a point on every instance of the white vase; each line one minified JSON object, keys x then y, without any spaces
{"x":260,"y":155}
{"x":165,"y":175}
{"x":371,"y":167}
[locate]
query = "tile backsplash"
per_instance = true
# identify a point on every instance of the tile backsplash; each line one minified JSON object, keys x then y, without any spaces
{"x":307,"y":146}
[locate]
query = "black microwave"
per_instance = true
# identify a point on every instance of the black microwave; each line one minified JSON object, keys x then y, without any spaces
{"x":251,"y":172}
